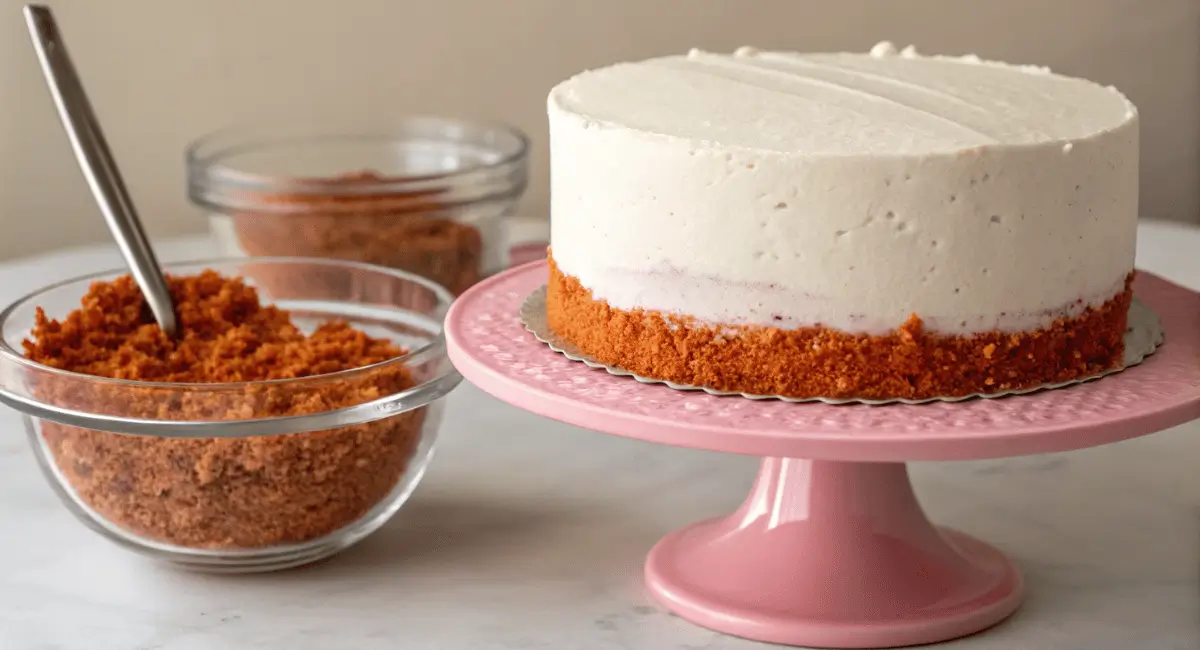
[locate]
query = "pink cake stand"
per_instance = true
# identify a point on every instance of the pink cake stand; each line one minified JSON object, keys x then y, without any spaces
{"x":831,"y":548}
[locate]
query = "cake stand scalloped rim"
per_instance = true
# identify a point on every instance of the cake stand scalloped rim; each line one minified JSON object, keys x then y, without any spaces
{"x":1143,"y":336}
{"x":493,"y":350}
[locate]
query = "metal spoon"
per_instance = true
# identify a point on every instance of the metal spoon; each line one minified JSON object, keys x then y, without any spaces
{"x":96,"y":161}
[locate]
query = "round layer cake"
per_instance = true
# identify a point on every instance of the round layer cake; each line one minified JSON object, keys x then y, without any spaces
{"x":882,"y":225}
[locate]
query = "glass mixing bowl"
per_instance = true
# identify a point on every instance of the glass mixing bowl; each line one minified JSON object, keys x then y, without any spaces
{"x":428,"y":195}
{"x":213,"y":476}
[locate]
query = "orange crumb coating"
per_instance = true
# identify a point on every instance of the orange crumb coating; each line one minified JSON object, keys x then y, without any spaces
{"x":819,"y":362}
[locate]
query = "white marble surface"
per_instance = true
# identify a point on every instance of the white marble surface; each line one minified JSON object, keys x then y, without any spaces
{"x":528,"y":534}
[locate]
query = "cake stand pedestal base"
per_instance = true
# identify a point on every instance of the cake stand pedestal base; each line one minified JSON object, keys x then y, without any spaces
{"x":833,"y":554}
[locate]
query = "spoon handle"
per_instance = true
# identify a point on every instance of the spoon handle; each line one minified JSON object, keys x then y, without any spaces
{"x":97,"y":163}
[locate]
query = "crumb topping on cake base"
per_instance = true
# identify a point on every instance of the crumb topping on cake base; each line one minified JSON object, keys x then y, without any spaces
{"x":908,"y":363}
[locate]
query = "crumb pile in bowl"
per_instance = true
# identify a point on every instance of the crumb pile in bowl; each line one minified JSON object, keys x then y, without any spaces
{"x":427,"y":195}
{"x":409,"y":230}
{"x":220,"y":493}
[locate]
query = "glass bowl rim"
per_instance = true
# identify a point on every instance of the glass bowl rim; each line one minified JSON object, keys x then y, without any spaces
{"x":204,"y":156}
{"x":10,"y":355}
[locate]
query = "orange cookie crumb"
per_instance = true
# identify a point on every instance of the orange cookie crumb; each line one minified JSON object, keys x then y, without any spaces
{"x":226,"y":492}
{"x":819,"y":362}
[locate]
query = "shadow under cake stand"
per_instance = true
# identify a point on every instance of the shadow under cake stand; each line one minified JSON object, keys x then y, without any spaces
{"x":831,"y":548}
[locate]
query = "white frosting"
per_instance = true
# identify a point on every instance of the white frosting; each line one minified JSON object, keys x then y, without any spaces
{"x":847,"y":190}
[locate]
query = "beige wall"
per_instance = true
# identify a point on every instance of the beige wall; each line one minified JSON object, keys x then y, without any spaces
{"x":163,"y":71}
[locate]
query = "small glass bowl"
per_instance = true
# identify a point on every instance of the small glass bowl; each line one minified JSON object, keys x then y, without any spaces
{"x":428,"y":195}
{"x":201,"y":474}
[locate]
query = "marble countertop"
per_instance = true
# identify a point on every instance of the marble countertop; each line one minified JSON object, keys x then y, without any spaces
{"x":529,"y":534}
